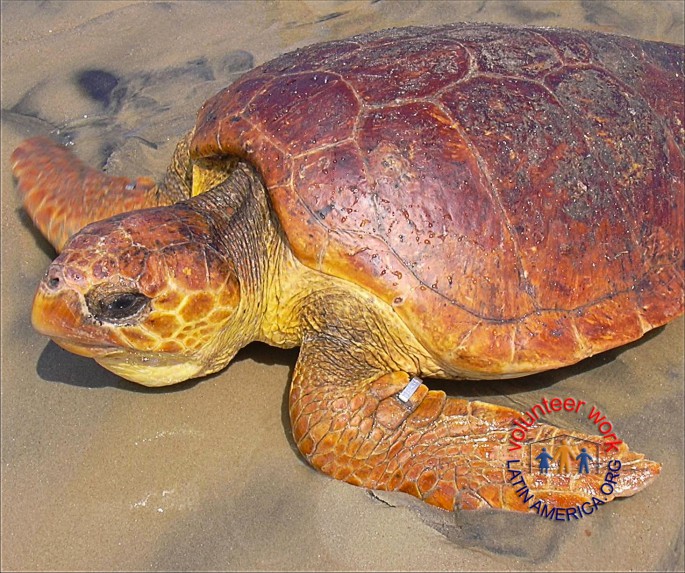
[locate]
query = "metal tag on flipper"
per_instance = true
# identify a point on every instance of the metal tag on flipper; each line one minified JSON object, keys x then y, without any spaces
{"x":409,"y":389}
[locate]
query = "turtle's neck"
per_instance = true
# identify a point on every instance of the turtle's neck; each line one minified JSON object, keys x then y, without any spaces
{"x":246,"y":231}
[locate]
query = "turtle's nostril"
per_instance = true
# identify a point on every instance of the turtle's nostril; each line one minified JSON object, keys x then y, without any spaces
{"x":54,"y":278}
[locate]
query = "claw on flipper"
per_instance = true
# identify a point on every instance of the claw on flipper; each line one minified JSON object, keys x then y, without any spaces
{"x":62,"y":194}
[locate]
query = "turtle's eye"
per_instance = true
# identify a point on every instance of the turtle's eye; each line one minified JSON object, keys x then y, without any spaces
{"x":117,"y":307}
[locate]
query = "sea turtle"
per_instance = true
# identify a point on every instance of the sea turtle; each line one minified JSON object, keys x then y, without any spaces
{"x":467,"y":201}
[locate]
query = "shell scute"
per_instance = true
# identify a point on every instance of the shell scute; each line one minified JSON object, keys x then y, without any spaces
{"x":531,"y":55}
{"x":573,"y":49}
{"x":306,"y":111}
{"x":415,"y":151}
{"x":350,"y":201}
{"x":574,"y":213}
{"x":388,"y":71}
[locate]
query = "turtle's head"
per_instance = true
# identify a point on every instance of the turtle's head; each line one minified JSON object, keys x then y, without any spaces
{"x":148,"y":294}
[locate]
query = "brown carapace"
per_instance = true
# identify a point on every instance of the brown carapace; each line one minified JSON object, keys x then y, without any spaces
{"x":464,"y":201}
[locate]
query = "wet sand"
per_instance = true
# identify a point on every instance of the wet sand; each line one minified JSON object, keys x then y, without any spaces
{"x":100,"y":474}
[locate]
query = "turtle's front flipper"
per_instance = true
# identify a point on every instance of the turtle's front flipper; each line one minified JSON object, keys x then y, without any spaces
{"x":62,"y":194}
{"x":386,"y":434}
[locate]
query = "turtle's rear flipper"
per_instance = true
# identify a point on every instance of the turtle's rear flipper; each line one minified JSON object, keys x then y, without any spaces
{"x":62,"y":194}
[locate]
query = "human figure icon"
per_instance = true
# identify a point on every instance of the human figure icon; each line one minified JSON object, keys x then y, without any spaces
{"x":544,"y":458}
{"x":564,"y":456}
{"x":583,"y":459}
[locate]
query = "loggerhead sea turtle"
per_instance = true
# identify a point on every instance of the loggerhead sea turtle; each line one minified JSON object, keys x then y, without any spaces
{"x":465,"y":201}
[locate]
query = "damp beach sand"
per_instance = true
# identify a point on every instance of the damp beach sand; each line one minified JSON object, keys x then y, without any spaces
{"x":100,"y":474}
